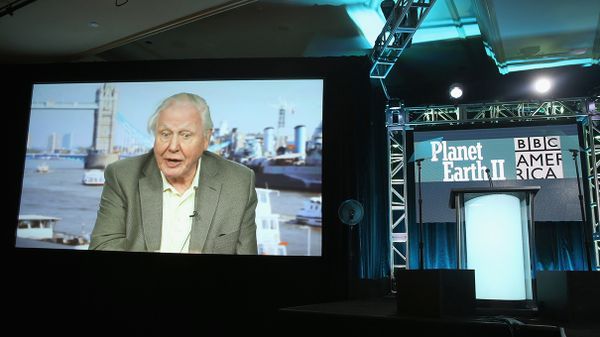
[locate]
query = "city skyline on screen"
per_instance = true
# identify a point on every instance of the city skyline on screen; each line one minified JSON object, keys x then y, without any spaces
{"x":249,"y":105}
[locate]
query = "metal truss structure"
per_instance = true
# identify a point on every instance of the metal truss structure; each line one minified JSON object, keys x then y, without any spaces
{"x":401,"y":119}
{"x":591,"y":134}
{"x":397,"y":209}
{"x":402,"y":22}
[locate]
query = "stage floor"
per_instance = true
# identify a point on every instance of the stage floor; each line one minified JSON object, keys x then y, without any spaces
{"x":378,"y":315}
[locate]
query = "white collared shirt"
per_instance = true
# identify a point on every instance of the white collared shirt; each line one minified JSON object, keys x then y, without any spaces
{"x":176,"y":219}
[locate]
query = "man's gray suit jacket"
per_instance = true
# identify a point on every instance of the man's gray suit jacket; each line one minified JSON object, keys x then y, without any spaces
{"x":130,"y":213}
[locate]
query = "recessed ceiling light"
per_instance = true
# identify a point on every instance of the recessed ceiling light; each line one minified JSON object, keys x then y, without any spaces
{"x":456,"y":91}
{"x":578,"y":51}
{"x":93,"y":24}
{"x":542,"y":85}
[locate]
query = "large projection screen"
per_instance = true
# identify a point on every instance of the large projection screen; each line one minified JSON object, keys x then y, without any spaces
{"x":272,"y":126}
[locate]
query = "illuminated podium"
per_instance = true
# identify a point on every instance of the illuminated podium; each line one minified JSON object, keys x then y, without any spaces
{"x":495,"y":237}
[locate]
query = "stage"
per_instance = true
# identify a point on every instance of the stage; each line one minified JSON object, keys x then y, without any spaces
{"x":376,"y":316}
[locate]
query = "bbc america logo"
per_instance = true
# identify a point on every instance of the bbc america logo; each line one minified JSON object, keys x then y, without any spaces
{"x":538,"y":158}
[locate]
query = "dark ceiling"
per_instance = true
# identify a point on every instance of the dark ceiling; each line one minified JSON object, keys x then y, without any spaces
{"x":466,"y":41}
{"x":425,"y":72}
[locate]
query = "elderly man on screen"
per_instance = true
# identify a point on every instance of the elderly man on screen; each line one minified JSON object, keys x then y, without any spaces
{"x":178,"y":198}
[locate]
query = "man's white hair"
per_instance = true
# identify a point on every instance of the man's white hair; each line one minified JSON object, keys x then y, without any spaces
{"x":196,"y":100}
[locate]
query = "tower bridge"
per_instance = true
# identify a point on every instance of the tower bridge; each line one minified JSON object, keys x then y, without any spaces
{"x":105,"y":122}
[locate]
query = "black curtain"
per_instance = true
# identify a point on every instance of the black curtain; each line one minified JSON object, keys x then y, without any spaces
{"x":439,"y":250}
{"x":559,"y":245}
{"x":374,"y":230}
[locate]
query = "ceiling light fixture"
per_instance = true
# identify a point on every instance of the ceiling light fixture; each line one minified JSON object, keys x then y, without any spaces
{"x":456,"y":91}
{"x":542,"y":85}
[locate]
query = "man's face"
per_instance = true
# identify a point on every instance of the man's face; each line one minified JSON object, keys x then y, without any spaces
{"x":179,"y":142}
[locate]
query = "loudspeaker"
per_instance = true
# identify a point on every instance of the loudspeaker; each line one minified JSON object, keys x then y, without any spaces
{"x":435,"y":292}
{"x":568,"y":296}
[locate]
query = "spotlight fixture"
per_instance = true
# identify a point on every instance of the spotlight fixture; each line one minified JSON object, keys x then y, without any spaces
{"x":456,"y":91}
{"x":542,"y":85}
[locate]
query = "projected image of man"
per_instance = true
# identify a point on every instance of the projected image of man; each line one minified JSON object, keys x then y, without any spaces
{"x":179,"y":197}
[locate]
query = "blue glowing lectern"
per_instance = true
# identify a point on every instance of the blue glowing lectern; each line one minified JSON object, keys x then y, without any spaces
{"x":495,"y":237}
